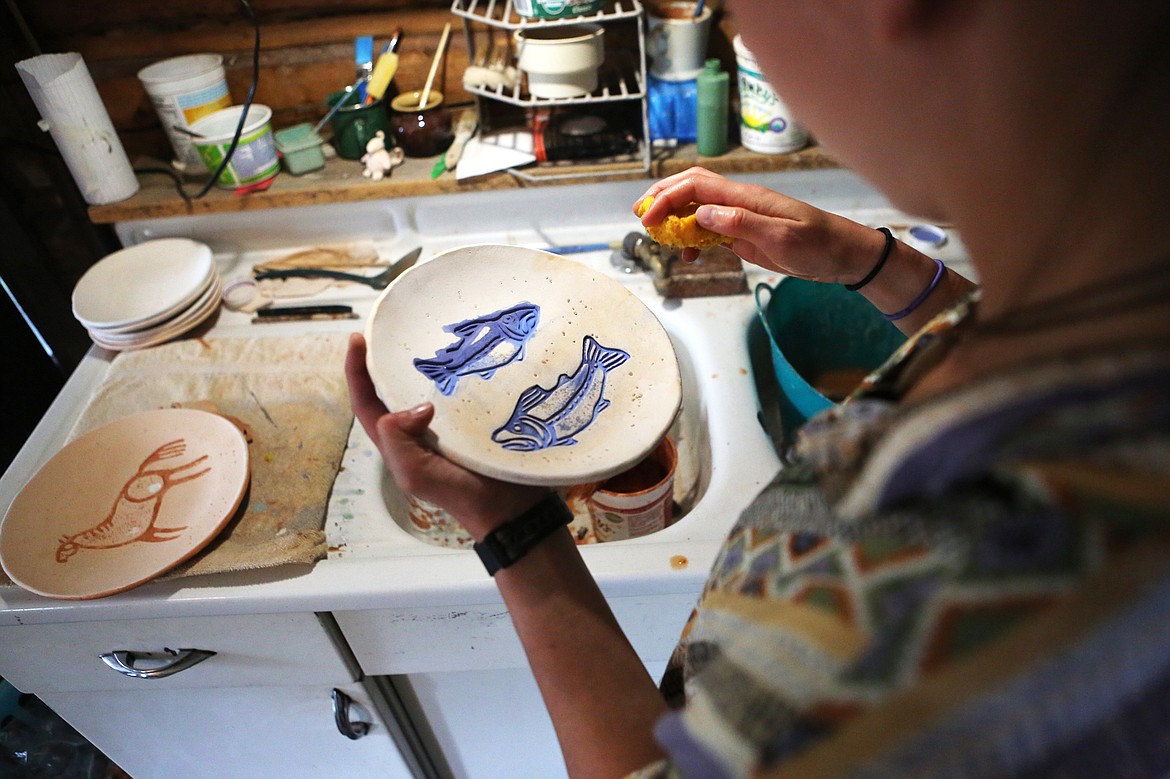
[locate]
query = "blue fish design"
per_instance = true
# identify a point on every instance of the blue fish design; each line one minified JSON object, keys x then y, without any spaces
{"x":485,"y":345}
{"x":544,"y":418}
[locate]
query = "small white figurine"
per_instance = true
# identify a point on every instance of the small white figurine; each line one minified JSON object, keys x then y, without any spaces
{"x":378,"y":159}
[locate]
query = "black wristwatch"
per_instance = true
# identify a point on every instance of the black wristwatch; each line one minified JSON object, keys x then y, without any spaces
{"x":511,"y":541}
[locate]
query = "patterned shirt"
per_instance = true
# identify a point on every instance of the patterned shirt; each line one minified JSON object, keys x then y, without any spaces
{"x":921,"y":592}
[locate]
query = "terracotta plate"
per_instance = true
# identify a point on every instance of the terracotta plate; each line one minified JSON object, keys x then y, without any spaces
{"x":541,"y":370}
{"x":124,"y":503}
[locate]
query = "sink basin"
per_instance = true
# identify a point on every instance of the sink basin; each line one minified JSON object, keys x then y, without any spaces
{"x":432,"y":525}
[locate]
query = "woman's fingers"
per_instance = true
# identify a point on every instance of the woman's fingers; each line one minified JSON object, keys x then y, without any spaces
{"x":674,"y":192}
{"x":415,"y":467}
{"x":363,"y":398}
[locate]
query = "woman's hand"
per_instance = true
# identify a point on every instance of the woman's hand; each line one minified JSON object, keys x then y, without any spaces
{"x":481,"y":504}
{"x":768,"y":229}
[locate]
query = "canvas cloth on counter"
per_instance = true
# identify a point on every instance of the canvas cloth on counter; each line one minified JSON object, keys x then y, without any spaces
{"x":289,"y":392}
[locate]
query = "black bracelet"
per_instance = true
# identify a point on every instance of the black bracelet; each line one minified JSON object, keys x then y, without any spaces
{"x":509,"y":542}
{"x":881,"y":261}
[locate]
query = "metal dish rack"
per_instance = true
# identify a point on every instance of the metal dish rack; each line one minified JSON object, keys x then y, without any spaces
{"x":621,"y":78}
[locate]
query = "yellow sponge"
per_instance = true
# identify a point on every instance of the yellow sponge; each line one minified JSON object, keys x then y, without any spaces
{"x":680,"y":229}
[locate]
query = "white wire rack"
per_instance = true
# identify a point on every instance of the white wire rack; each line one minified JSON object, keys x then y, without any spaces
{"x":622,"y":76}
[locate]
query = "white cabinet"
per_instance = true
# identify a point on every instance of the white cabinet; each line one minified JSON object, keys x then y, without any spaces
{"x":258,"y":701}
{"x":471,"y":683}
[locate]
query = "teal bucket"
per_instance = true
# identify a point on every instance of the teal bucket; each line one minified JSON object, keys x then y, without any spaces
{"x":823,"y":340}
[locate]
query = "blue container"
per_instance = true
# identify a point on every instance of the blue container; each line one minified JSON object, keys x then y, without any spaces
{"x":820,"y":334}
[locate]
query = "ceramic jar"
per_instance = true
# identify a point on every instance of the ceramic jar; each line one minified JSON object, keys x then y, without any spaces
{"x":421,"y":132}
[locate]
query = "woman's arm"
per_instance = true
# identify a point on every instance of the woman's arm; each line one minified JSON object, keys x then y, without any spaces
{"x":790,"y":236}
{"x":602,"y":701}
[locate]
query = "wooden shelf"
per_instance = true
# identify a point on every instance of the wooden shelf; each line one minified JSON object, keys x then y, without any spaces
{"x":341,"y":181}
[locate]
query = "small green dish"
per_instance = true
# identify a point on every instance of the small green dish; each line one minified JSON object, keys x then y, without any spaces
{"x":300,"y":146}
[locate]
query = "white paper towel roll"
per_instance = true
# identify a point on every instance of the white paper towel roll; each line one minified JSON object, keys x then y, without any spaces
{"x":74,"y":115}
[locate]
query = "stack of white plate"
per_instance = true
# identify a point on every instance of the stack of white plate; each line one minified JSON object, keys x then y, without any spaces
{"x":148,"y":294}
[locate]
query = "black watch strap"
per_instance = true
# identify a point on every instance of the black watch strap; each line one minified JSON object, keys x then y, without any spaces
{"x":511,"y":541}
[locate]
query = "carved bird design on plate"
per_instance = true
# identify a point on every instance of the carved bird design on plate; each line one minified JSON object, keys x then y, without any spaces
{"x":137,"y":506}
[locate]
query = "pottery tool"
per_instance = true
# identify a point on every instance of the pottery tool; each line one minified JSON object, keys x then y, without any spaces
{"x":426,"y":93}
{"x":465,"y":127}
{"x":584,"y":247}
{"x":380,"y":281}
{"x":340,"y":257}
{"x":385,"y":69}
{"x":187,"y":131}
{"x":363,"y":59}
{"x":303,"y":314}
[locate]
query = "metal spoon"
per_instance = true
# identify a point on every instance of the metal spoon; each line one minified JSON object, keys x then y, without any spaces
{"x":380,"y":281}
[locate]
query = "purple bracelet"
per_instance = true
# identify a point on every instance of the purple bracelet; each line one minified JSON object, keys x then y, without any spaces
{"x":916,"y":302}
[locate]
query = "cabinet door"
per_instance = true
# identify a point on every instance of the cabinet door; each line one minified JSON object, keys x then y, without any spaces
{"x":286,"y":732}
{"x":462,"y":708}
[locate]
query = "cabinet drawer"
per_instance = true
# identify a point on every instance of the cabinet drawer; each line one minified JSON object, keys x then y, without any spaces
{"x":467,"y":638}
{"x":250,"y":650}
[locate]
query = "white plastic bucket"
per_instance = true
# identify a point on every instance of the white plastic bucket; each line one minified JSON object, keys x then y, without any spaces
{"x":255,"y":157}
{"x":765,"y":124}
{"x":183,"y":91}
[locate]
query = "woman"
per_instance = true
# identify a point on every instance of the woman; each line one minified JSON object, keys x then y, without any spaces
{"x":964,"y":571}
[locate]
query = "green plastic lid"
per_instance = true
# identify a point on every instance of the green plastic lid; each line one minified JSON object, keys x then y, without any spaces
{"x":297,"y":137}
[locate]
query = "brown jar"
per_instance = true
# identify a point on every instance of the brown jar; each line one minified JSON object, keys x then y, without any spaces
{"x":423,"y":132}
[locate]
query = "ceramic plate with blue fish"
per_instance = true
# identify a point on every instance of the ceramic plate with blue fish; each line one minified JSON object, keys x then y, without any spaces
{"x":542,"y":370}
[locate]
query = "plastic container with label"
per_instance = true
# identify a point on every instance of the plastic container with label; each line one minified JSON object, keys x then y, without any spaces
{"x":766,"y":126}
{"x":183,"y":90}
{"x":254,"y":160}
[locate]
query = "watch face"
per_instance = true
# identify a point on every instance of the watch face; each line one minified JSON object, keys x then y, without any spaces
{"x":542,"y":370}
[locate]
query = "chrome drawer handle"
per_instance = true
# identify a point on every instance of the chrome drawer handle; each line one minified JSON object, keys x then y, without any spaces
{"x":172,"y":661}
{"x":347,"y":727}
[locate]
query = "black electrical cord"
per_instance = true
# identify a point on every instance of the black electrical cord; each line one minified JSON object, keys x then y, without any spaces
{"x":227,"y":158}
